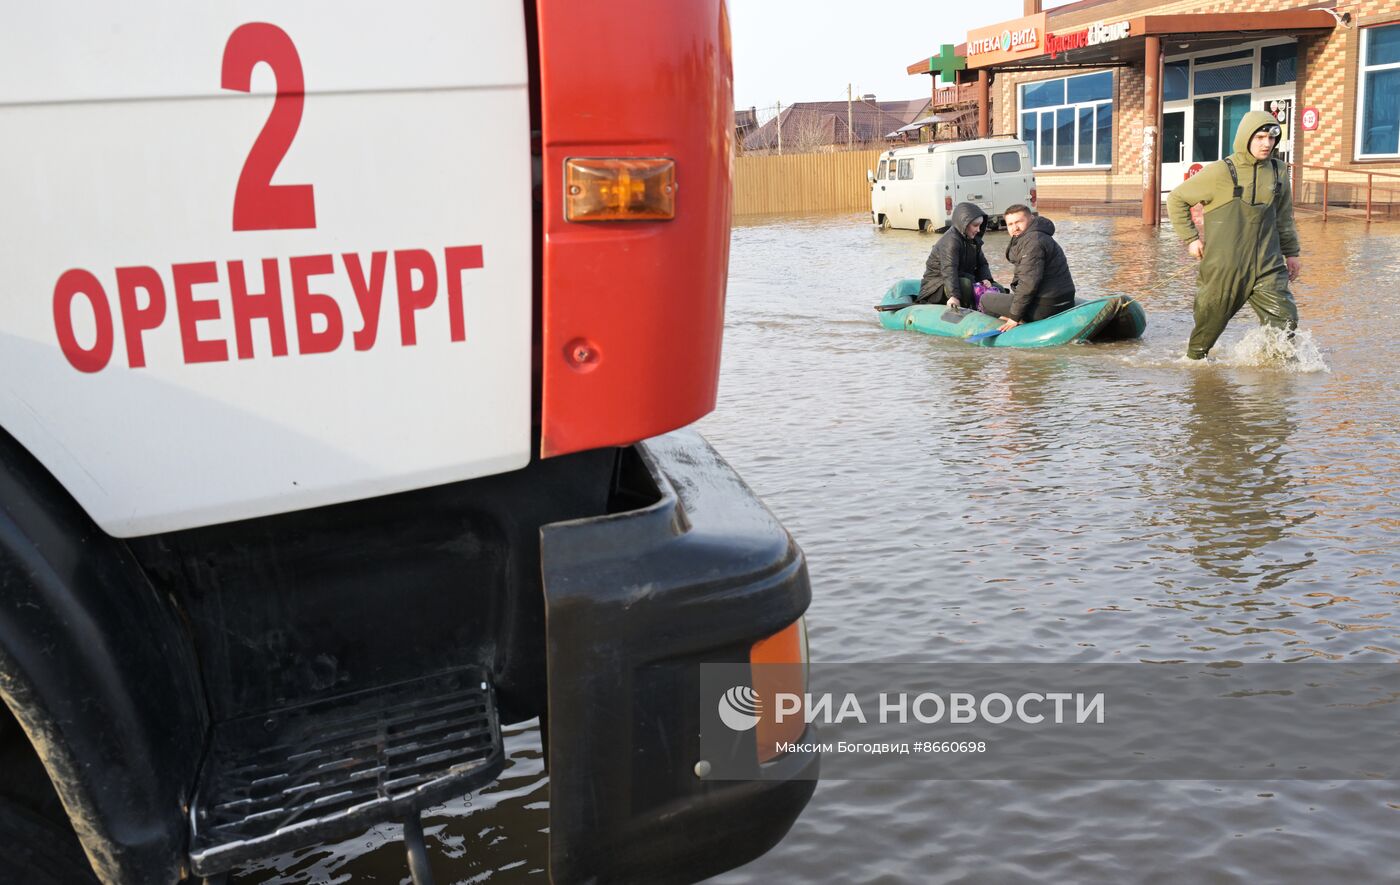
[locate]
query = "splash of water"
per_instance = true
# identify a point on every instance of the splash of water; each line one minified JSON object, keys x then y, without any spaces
{"x":1266,"y":347}
{"x":1261,"y":347}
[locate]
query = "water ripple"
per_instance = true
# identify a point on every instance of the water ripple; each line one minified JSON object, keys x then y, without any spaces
{"x":1098,"y":503}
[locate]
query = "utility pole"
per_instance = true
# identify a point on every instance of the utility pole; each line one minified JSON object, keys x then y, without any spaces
{"x":850,"y":121}
{"x":780,"y":128}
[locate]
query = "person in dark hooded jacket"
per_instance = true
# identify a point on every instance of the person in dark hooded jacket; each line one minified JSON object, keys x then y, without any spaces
{"x":956,"y":261}
{"x":1041,"y":285}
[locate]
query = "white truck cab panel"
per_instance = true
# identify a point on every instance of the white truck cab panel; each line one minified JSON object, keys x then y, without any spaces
{"x":222,"y":298}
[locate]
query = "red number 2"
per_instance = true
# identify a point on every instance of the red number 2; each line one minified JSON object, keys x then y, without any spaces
{"x":258,"y":204}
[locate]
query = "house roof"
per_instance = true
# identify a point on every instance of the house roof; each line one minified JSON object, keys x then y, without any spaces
{"x":824,"y":122}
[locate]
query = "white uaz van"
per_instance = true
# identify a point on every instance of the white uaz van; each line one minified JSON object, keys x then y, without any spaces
{"x":916,"y":187}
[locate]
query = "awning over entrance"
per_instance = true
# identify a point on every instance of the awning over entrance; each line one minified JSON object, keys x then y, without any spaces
{"x":1072,"y":47}
{"x":1197,"y":31}
{"x":1046,"y":41}
{"x":932,"y":120}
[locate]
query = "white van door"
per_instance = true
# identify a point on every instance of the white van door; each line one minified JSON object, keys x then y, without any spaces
{"x":927,"y":192}
{"x":972,"y":181}
{"x":879,"y":192}
{"x":903,"y":215}
{"x":1011,"y":179}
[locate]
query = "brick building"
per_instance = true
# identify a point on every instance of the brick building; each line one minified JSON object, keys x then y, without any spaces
{"x":1121,"y":99}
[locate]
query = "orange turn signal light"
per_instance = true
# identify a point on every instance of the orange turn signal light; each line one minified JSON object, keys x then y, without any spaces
{"x":620,"y":189}
{"x":779,"y":665}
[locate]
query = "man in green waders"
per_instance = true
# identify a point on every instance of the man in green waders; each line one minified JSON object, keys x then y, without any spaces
{"x":1250,"y":250}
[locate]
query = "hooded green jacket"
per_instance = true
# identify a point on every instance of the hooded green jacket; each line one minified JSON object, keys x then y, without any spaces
{"x":1212,"y":187}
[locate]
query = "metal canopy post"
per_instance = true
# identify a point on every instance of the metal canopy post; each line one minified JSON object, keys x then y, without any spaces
{"x":1151,"y":145}
{"x":984,"y":100}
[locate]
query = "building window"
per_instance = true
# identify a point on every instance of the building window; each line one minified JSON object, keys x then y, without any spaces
{"x":1173,"y":137}
{"x":1006,"y":161}
{"x":1206,"y":137}
{"x":1176,"y":84}
{"x":972,"y":165}
{"x":1278,"y":64}
{"x":1068,"y":122}
{"x":1225,"y":56}
{"x":1064,"y":137}
{"x":1228,"y":79}
{"x":1215,"y":122}
{"x":1378,"y":115}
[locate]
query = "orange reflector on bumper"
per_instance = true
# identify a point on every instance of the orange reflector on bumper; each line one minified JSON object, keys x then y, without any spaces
{"x":620,"y":189}
{"x":779,"y":665}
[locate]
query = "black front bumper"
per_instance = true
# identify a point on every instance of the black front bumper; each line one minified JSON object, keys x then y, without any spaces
{"x":635,"y":603}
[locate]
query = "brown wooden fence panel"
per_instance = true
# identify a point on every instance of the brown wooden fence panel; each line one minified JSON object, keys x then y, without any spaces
{"x":803,"y":182}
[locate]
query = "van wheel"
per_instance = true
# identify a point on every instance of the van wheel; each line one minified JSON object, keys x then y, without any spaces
{"x":925,"y":225}
{"x":884,"y":222}
{"x":38,"y":851}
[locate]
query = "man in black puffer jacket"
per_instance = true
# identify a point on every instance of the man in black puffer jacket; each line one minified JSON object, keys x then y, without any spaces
{"x":956,"y":261}
{"x":1041,"y":285}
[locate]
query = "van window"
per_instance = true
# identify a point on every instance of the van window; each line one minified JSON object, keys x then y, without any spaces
{"x":1006,"y":161}
{"x":881,"y":174}
{"x":906,"y":169}
{"x":972,"y":165}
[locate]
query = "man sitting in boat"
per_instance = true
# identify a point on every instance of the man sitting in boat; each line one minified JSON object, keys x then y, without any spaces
{"x":956,"y":263}
{"x":1040,"y":285}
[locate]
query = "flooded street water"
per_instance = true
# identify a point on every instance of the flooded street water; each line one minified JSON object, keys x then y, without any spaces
{"x":1106,"y":503}
{"x":1101,"y":503}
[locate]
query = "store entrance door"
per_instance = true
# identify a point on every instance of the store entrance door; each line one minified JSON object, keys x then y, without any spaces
{"x":1175,"y":159}
{"x":1206,"y":94}
{"x":1215,"y":120}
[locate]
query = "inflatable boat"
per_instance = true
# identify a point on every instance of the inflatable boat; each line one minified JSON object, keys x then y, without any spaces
{"x":1115,"y":318}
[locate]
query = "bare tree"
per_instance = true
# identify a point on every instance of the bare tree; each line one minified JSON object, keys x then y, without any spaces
{"x":806,"y":132}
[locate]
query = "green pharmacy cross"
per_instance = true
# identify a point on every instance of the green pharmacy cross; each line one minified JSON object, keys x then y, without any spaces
{"x":947,"y":64}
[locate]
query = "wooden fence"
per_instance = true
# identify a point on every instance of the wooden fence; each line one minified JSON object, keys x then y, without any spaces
{"x":803,"y":182}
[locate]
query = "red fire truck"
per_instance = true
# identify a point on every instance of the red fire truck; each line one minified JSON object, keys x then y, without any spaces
{"x":343,"y":352}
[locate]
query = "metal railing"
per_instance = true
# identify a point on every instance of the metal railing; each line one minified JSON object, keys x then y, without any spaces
{"x":1352,"y":183}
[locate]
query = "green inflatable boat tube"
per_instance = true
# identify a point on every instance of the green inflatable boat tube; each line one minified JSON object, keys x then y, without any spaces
{"x":1115,"y":318}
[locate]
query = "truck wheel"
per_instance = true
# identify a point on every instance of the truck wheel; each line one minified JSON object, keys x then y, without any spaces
{"x":884,"y":222}
{"x":37,"y":851}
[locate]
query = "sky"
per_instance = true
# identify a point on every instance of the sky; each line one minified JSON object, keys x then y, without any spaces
{"x":786,"y":50}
